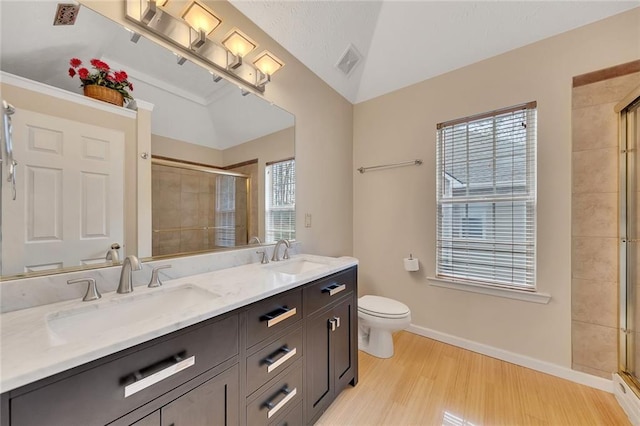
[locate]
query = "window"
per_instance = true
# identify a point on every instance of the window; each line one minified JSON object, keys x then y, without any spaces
{"x":225,"y":211}
{"x":280,"y":201}
{"x":486,"y":196}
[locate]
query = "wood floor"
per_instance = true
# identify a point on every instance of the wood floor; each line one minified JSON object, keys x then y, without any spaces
{"x":431,"y":383}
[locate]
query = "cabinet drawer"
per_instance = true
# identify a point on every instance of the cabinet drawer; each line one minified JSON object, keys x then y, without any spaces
{"x":326,"y":290}
{"x":292,"y":418}
{"x":268,"y":317}
{"x":284,"y":393}
{"x":274,"y":358}
{"x":103,"y":393}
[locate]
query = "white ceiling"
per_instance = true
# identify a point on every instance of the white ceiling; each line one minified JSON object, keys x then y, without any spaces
{"x":404,"y":42}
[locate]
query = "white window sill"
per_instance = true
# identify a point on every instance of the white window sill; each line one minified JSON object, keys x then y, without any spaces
{"x":527,"y":296}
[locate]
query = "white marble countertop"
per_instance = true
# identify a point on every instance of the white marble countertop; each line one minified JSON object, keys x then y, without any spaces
{"x":33,"y":348}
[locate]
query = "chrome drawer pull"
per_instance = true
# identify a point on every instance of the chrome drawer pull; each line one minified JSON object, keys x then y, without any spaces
{"x":141,"y":382}
{"x":273,"y":409}
{"x":288,"y":354}
{"x":278,"y":315}
{"x":334,"y":289}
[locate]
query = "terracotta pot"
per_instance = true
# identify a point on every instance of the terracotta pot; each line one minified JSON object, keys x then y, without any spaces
{"x":104,"y":94}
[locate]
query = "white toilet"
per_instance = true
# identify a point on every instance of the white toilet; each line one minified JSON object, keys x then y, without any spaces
{"x":378,"y":317}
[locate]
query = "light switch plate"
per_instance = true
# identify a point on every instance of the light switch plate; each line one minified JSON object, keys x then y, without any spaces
{"x":307,"y":220}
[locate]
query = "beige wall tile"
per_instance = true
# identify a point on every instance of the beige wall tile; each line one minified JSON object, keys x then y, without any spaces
{"x":594,"y":215}
{"x":594,"y":127}
{"x":595,"y":170}
{"x":190,"y":182}
{"x":594,"y":346}
{"x":169,"y":182}
{"x":170,"y":218}
{"x":189,"y":209}
{"x":606,"y":91}
{"x":191,"y":240}
{"x":594,"y":258}
{"x":594,"y":302}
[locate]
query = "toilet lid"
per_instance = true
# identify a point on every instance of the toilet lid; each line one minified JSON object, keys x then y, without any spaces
{"x":382,"y":306}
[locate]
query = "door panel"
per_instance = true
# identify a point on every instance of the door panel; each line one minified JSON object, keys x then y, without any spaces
{"x":70,"y":194}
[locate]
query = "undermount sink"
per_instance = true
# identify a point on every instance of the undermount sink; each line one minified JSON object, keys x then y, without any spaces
{"x":295,"y":266}
{"x":126,"y":311}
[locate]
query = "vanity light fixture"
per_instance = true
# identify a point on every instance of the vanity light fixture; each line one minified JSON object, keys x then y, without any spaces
{"x":267,"y":64}
{"x":216,"y":77}
{"x":238,"y":44}
{"x":201,"y":18}
{"x":149,"y":13}
{"x":197,"y":41}
{"x":134,"y":35}
{"x":189,"y":32}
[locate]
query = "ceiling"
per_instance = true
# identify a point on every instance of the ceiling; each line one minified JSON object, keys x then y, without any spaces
{"x":405,"y":42}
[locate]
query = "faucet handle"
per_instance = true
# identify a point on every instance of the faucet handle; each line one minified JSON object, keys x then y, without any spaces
{"x":92,"y":290}
{"x":265,"y":258}
{"x":155,"y":279}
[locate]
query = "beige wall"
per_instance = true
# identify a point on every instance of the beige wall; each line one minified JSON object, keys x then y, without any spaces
{"x":274,"y":147}
{"x":595,"y":224}
{"x":323,"y":134}
{"x":185,"y":151}
{"x":395,"y":209}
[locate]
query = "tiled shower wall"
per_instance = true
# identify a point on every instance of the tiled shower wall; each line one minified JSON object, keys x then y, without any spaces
{"x":184,"y":210}
{"x":595,"y":216}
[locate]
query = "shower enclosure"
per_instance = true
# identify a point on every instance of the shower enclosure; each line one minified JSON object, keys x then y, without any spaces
{"x":630,"y":246}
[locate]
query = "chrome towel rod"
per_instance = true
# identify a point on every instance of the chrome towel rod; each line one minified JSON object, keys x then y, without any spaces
{"x":385,"y":166}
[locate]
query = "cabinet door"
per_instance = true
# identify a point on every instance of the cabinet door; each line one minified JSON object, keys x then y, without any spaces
{"x":343,"y":341}
{"x":213,"y":403}
{"x":319,"y":377}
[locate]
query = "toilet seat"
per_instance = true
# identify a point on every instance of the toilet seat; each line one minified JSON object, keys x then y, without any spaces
{"x":382,"y":307}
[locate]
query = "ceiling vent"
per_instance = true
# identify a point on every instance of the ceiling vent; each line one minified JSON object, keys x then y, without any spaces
{"x":349,"y":59}
{"x":66,"y":14}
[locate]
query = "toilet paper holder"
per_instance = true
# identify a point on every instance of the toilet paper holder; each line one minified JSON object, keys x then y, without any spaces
{"x":411,"y":264}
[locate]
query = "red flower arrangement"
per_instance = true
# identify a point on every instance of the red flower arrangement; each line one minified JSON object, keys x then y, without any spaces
{"x":102,"y":76}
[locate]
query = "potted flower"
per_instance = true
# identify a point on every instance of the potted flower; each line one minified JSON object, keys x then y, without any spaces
{"x":103,"y":83}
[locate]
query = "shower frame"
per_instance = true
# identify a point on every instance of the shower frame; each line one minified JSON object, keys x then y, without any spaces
{"x":628,"y":311}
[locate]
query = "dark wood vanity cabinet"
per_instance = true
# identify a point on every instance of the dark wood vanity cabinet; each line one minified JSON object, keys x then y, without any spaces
{"x":331,"y":344}
{"x":279,"y":361}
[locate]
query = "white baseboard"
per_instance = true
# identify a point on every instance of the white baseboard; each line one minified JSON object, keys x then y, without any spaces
{"x":514,"y":358}
{"x":627,"y":399}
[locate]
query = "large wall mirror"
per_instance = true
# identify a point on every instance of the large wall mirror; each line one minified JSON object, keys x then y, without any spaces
{"x":223,"y":172}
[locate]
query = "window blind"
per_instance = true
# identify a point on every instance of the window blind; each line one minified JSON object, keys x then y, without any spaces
{"x":486,"y":198}
{"x":225,"y":235}
{"x":280,"y":201}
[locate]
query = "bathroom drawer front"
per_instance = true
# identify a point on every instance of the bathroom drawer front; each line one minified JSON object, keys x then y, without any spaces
{"x":268,"y":317}
{"x":97,"y":395}
{"x":325,"y":291}
{"x":292,"y":418}
{"x":274,"y":358}
{"x":279,"y":397}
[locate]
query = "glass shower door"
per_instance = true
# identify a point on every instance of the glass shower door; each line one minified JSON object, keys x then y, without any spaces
{"x":630,"y":243}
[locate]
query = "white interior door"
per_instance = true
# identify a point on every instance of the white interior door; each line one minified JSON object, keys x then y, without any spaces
{"x":69,"y":205}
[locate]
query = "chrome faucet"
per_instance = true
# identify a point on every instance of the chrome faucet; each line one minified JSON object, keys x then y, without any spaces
{"x":130,"y":264}
{"x":112,"y":254}
{"x":254,"y":240}
{"x":276,"y":250}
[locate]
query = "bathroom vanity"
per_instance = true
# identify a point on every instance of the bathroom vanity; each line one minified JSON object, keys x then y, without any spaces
{"x":275,"y":347}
